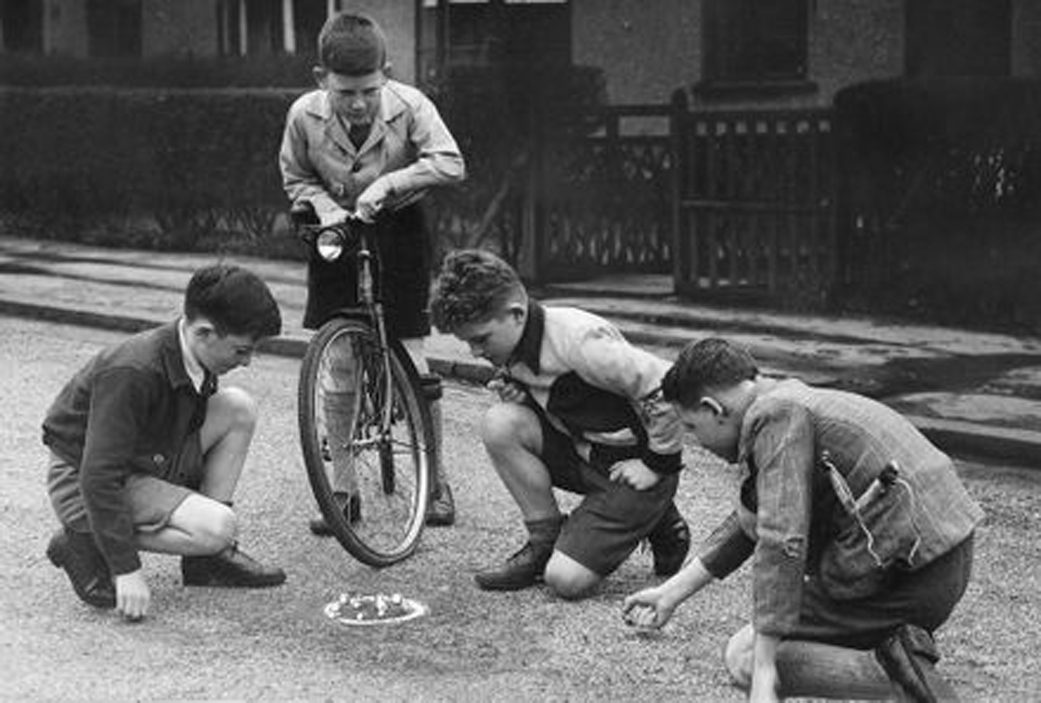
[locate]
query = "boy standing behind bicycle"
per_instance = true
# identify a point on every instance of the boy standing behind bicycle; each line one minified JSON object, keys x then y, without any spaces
{"x":368,"y":144}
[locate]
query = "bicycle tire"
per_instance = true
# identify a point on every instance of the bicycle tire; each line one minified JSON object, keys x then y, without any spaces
{"x":391,"y":480}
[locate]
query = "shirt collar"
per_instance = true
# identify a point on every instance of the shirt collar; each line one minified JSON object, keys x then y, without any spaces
{"x":192,"y":365}
{"x":529,"y":348}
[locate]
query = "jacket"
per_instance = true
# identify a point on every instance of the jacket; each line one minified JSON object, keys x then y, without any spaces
{"x":790,"y":518}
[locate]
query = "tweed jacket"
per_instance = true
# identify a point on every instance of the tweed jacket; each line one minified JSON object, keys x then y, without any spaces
{"x":408,"y":145}
{"x":596,"y":387}
{"x":790,"y":518}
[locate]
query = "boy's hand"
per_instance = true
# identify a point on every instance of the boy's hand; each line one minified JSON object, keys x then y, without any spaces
{"x":332,"y":217}
{"x":648,"y":609}
{"x":634,"y":472}
{"x":371,"y":200}
{"x":508,"y":390}
{"x":132,"y":595}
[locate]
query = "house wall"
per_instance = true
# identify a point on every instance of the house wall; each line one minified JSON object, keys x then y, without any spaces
{"x":649,"y":48}
{"x":646,"y":48}
{"x":179,"y":27}
{"x":1026,"y":38}
{"x":65,"y":27}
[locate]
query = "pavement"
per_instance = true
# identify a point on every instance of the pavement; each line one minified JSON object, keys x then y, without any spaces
{"x":974,"y":393}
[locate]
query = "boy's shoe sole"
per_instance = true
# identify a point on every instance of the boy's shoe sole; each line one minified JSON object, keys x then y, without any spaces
{"x":92,"y":588}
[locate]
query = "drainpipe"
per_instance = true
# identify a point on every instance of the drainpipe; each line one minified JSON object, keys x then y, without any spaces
{"x":288,"y":28}
{"x":243,"y":28}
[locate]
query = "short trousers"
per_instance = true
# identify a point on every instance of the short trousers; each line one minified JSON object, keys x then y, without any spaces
{"x":925,"y":597}
{"x":403,"y":244}
{"x":612,"y":518}
{"x":151,"y":499}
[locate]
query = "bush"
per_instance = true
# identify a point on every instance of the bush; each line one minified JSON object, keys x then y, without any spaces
{"x":940,"y":199}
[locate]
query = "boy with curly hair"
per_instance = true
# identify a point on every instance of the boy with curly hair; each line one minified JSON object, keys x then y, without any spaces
{"x":580,"y":411}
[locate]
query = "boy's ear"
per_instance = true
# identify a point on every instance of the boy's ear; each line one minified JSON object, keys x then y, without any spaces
{"x":712,"y":404}
{"x":517,"y":310}
{"x":319,"y":74}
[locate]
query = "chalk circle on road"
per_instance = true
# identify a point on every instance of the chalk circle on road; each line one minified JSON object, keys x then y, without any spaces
{"x":374,"y":609}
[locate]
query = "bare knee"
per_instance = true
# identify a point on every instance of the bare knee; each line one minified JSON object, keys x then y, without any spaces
{"x":738,"y":657}
{"x":568,"y":579}
{"x":506,"y":427}
{"x":216,"y":531}
{"x":240,"y":409}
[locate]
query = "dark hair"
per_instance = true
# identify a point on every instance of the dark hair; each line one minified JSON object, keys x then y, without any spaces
{"x":352,"y":45}
{"x":710,"y":363}
{"x":234,"y":300}
{"x":472,"y":286}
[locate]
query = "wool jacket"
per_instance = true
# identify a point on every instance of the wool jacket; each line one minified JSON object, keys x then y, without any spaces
{"x":130,"y":409}
{"x":789,"y":513}
{"x":596,"y":387}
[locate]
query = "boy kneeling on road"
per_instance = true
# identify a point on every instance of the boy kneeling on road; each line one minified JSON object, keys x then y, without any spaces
{"x":861,"y":531}
{"x":146,"y":452}
{"x":580,"y":412}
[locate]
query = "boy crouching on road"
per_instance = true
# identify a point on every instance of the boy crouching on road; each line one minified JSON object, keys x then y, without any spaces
{"x":146,"y":452}
{"x":861,"y":533}
{"x":581,"y":411}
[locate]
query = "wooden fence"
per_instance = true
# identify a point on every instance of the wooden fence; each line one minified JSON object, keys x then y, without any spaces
{"x":753,"y":206}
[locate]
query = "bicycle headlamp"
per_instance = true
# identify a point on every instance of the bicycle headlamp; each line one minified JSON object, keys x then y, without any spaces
{"x":329,"y":245}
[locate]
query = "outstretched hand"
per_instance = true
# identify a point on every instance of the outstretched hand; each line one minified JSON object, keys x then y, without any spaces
{"x":648,"y":609}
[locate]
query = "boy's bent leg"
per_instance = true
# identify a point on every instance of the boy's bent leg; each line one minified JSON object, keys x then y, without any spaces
{"x":513,"y":438}
{"x":570,"y":579}
{"x":811,"y":669}
{"x":604,"y":530}
{"x":225,"y":437}
{"x":72,"y":548}
{"x":202,"y":531}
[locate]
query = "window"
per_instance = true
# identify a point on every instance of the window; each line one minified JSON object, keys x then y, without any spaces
{"x":22,"y":23}
{"x":754,"y":41}
{"x":959,"y":38}
{"x":491,"y":32}
{"x":114,"y":28}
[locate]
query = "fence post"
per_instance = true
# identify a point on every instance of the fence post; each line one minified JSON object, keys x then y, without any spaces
{"x":529,"y":251}
{"x":680,"y":257}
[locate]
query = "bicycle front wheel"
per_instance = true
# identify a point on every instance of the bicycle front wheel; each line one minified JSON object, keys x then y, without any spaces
{"x":369,"y":470}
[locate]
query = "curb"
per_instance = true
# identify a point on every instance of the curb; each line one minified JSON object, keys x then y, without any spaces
{"x":953,"y":436}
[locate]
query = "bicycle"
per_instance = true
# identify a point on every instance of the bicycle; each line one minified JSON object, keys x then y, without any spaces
{"x":365,"y":424}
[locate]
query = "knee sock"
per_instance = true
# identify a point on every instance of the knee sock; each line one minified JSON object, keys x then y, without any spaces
{"x":544,"y":531}
{"x":432,"y":392}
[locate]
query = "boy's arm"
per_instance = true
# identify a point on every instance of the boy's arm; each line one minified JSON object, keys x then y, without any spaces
{"x":782,"y":445}
{"x":299,"y":179}
{"x":605,"y":359}
{"x":438,"y":159}
{"x":119,"y":400}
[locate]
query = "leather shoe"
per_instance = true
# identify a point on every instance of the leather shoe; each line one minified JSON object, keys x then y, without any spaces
{"x":351,"y":511}
{"x":523,"y":569}
{"x":441,"y":510}
{"x":229,"y":569}
{"x":79,"y":556}
{"x":670,"y":542}
{"x":909,"y":656}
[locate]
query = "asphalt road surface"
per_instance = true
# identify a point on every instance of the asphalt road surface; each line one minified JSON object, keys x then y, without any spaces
{"x":207,"y":644}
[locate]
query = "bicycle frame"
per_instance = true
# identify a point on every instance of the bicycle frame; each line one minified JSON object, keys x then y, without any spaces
{"x":332,"y":242}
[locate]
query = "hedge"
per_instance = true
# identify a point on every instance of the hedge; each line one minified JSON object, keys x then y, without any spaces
{"x":196,"y":161}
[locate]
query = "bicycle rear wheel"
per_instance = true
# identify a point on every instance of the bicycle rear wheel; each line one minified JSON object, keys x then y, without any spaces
{"x":371,"y":486}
